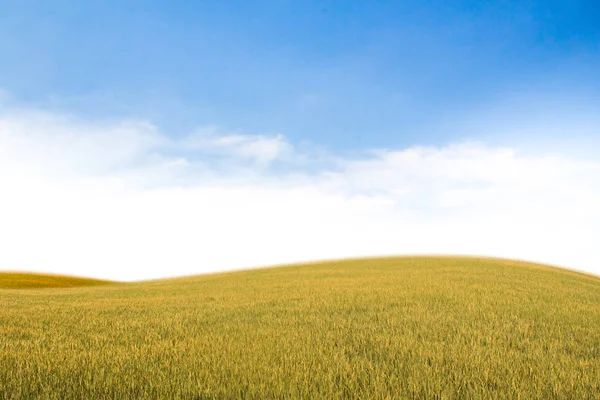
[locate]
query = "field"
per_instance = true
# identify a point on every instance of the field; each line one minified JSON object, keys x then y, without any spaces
{"x":17,"y":280}
{"x":419,"y":327}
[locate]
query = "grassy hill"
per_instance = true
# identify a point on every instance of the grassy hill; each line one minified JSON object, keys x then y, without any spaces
{"x":418,"y":327}
{"x":18,"y":280}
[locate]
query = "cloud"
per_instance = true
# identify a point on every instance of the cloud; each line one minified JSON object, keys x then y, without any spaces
{"x":259,"y":149}
{"x":123,"y":200}
{"x":52,"y":144}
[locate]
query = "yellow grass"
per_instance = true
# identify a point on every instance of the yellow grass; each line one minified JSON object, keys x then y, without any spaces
{"x":19,"y":280}
{"x":438,"y":327}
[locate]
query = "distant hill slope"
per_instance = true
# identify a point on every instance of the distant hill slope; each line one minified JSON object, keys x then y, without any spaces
{"x":19,"y":280}
{"x":398,"y":328}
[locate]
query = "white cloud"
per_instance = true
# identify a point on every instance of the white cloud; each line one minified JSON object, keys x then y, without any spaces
{"x":125,"y":201}
{"x":258,"y":149}
{"x":54,"y":144}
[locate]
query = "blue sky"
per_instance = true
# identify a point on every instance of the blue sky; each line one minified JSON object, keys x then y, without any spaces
{"x":342,"y":74}
{"x":144,"y":139}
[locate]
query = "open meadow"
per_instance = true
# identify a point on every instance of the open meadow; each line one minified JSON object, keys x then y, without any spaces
{"x":414,"y":327}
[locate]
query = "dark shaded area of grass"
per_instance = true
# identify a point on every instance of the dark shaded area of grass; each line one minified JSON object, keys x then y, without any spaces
{"x":21,"y":280}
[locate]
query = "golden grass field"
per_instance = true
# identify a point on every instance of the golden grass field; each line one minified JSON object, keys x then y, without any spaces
{"x":417,"y":327}
{"x":20,"y":280}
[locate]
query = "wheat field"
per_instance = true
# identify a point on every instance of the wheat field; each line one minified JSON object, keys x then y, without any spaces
{"x":20,"y":280}
{"x":387,"y":328}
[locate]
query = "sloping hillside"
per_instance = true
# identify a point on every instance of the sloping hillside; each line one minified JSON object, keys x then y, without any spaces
{"x":18,"y":280}
{"x":420,"y":327}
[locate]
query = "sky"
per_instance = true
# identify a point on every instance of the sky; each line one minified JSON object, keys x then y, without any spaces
{"x":142,"y":140}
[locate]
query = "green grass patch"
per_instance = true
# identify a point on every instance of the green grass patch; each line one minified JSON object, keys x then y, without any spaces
{"x":419,"y":327}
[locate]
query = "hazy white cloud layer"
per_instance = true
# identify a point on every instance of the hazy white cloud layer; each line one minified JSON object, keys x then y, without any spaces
{"x":125,"y":201}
